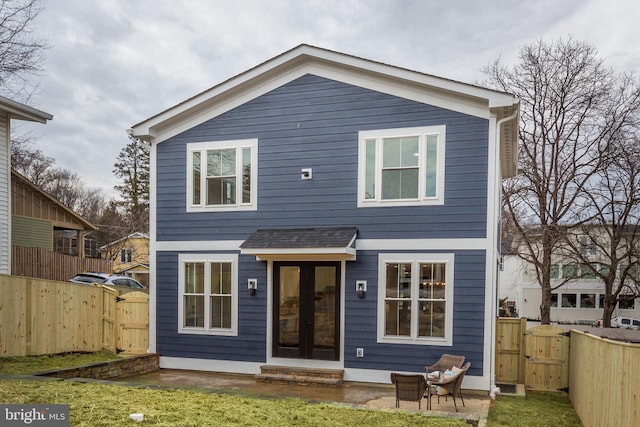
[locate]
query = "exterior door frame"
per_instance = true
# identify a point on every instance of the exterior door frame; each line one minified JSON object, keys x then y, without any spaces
{"x":329,"y":364}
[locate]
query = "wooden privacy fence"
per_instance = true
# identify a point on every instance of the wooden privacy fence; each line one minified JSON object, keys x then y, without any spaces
{"x":47,"y":317}
{"x":546,"y":352}
{"x":537,"y":357}
{"x":44,"y":264}
{"x":604,"y":386}
{"x":510,"y":350}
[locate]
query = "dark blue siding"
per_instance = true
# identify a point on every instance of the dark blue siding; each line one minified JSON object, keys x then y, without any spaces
{"x":468,"y":319}
{"x":314,"y":122}
{"x":360,"y":318}
{"x":248,"y":346}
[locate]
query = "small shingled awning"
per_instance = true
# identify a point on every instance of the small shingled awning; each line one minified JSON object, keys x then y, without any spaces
{"x":303,"y":243}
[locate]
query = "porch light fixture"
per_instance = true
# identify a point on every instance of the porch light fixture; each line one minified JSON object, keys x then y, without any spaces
{"x":252,"y":285}
{"x":361,"y":288}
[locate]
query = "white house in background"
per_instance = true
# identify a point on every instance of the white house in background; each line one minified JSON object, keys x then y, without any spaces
{"x":10,"y":110}
{"x":580,"y":300}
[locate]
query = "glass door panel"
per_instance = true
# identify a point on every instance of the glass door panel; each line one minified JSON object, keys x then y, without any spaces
{"x":306,"y":310}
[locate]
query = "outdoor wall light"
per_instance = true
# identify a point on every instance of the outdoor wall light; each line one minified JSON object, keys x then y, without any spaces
{"x":252,"y":285}
{"x":361,"y":288}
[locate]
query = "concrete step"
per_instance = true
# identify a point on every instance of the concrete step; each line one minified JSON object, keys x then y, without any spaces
{"x":301,"y":376}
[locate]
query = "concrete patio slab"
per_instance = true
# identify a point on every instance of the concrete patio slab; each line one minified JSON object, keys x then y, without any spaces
{"x":377,"y":396}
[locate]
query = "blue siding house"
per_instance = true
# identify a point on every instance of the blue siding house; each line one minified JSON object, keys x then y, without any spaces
{"x":321,"y":210}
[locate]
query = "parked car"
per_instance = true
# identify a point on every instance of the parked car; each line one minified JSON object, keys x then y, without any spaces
{"x":622,"y":322}
{"x":106,"y":279}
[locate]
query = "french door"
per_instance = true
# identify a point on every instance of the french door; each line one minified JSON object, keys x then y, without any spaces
{"x":306,"y":310}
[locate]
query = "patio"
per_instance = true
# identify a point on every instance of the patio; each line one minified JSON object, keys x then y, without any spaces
{"x":352,"y":394}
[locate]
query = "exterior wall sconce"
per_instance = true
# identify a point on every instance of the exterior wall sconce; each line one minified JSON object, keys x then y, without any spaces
{"x":306,"y":173}
{"x":361,"y":288}
{"x":252,"y":285}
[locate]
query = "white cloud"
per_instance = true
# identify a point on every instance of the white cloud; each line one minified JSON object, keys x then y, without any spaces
{"x":114,"y":63}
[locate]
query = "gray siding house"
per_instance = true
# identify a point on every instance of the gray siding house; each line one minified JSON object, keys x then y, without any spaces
{"x":323,"y":210}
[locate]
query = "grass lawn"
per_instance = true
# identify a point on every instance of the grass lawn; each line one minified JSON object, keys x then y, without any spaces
{"x":110,"y":405}
{"x":33,"y":364}
{"x":536,"y":410}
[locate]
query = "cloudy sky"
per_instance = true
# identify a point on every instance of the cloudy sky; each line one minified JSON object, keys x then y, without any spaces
{"x":114,"y":63}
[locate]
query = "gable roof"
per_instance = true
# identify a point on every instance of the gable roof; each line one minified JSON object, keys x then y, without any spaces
{"x":18,"y":178}
{"x":305,"y":59}
{"x":20,"y":111}
{"x":136,"y":235}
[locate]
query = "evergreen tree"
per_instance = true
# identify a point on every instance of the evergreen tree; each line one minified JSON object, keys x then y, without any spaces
{"x":132,"y":166}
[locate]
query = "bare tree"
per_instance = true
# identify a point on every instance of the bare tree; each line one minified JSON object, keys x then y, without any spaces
{"x":21,"y":53}
{"x":572,"y":108}
{"x":607,"y":247}
{"x":32,"y":163}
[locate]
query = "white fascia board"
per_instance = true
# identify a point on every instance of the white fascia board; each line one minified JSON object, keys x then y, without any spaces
{"x":20,"y":111}
{"x":305,"y":59}
{"x":266,"y":254}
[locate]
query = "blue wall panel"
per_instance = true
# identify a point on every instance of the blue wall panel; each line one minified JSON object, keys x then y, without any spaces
{"x":468,"y":319}
{"x":314,"y":122}
{"x":248,"y":346}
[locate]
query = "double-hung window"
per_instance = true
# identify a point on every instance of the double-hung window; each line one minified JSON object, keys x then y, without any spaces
{"x":399,"y":167}
{"x":126,"y":255}
{"x":208,"y":298}
{"x":415,"y":299}
{"x":222,"y":175}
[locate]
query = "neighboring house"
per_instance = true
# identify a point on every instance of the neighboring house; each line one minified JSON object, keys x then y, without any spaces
{"x":323,"y":210}
{"x":10,"y":110}
{"x":129,"y":256}
{"x":579,"y":300}
{"x":39,"y":220}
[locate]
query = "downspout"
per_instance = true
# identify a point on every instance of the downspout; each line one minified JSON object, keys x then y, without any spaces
{"x":492,"y":387}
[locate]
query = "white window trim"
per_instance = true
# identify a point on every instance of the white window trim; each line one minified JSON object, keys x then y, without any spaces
{"x":411,"y":258}
{"x":238,"y":145}
{"x":207,"y":259}
{"x":126,"y":255}
{"x":378,"y":135}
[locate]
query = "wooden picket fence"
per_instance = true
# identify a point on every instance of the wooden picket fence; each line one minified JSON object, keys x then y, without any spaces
{"x":48,"y":317}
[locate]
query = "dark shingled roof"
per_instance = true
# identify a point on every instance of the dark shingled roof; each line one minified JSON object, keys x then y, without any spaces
{"x":301,"y":238}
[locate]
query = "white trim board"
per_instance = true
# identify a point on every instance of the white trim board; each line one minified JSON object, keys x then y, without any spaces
{"x":361,"y":244}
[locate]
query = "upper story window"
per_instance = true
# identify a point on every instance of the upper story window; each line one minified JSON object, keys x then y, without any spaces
{"x":222,"y":175}
{"x":398,"y":167}
{"x":208,"y":294}
{"x":415,"y":300}
{"x":126,"y":255}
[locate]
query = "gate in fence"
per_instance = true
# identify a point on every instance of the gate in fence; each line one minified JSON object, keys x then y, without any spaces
{"x":125,"y":321}
{"x":537,"y":357}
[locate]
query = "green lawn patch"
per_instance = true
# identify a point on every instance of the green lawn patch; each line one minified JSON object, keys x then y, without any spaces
{"x":536,"y":410}
{"x":33,"y":364}
{"x":111,"y":405}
